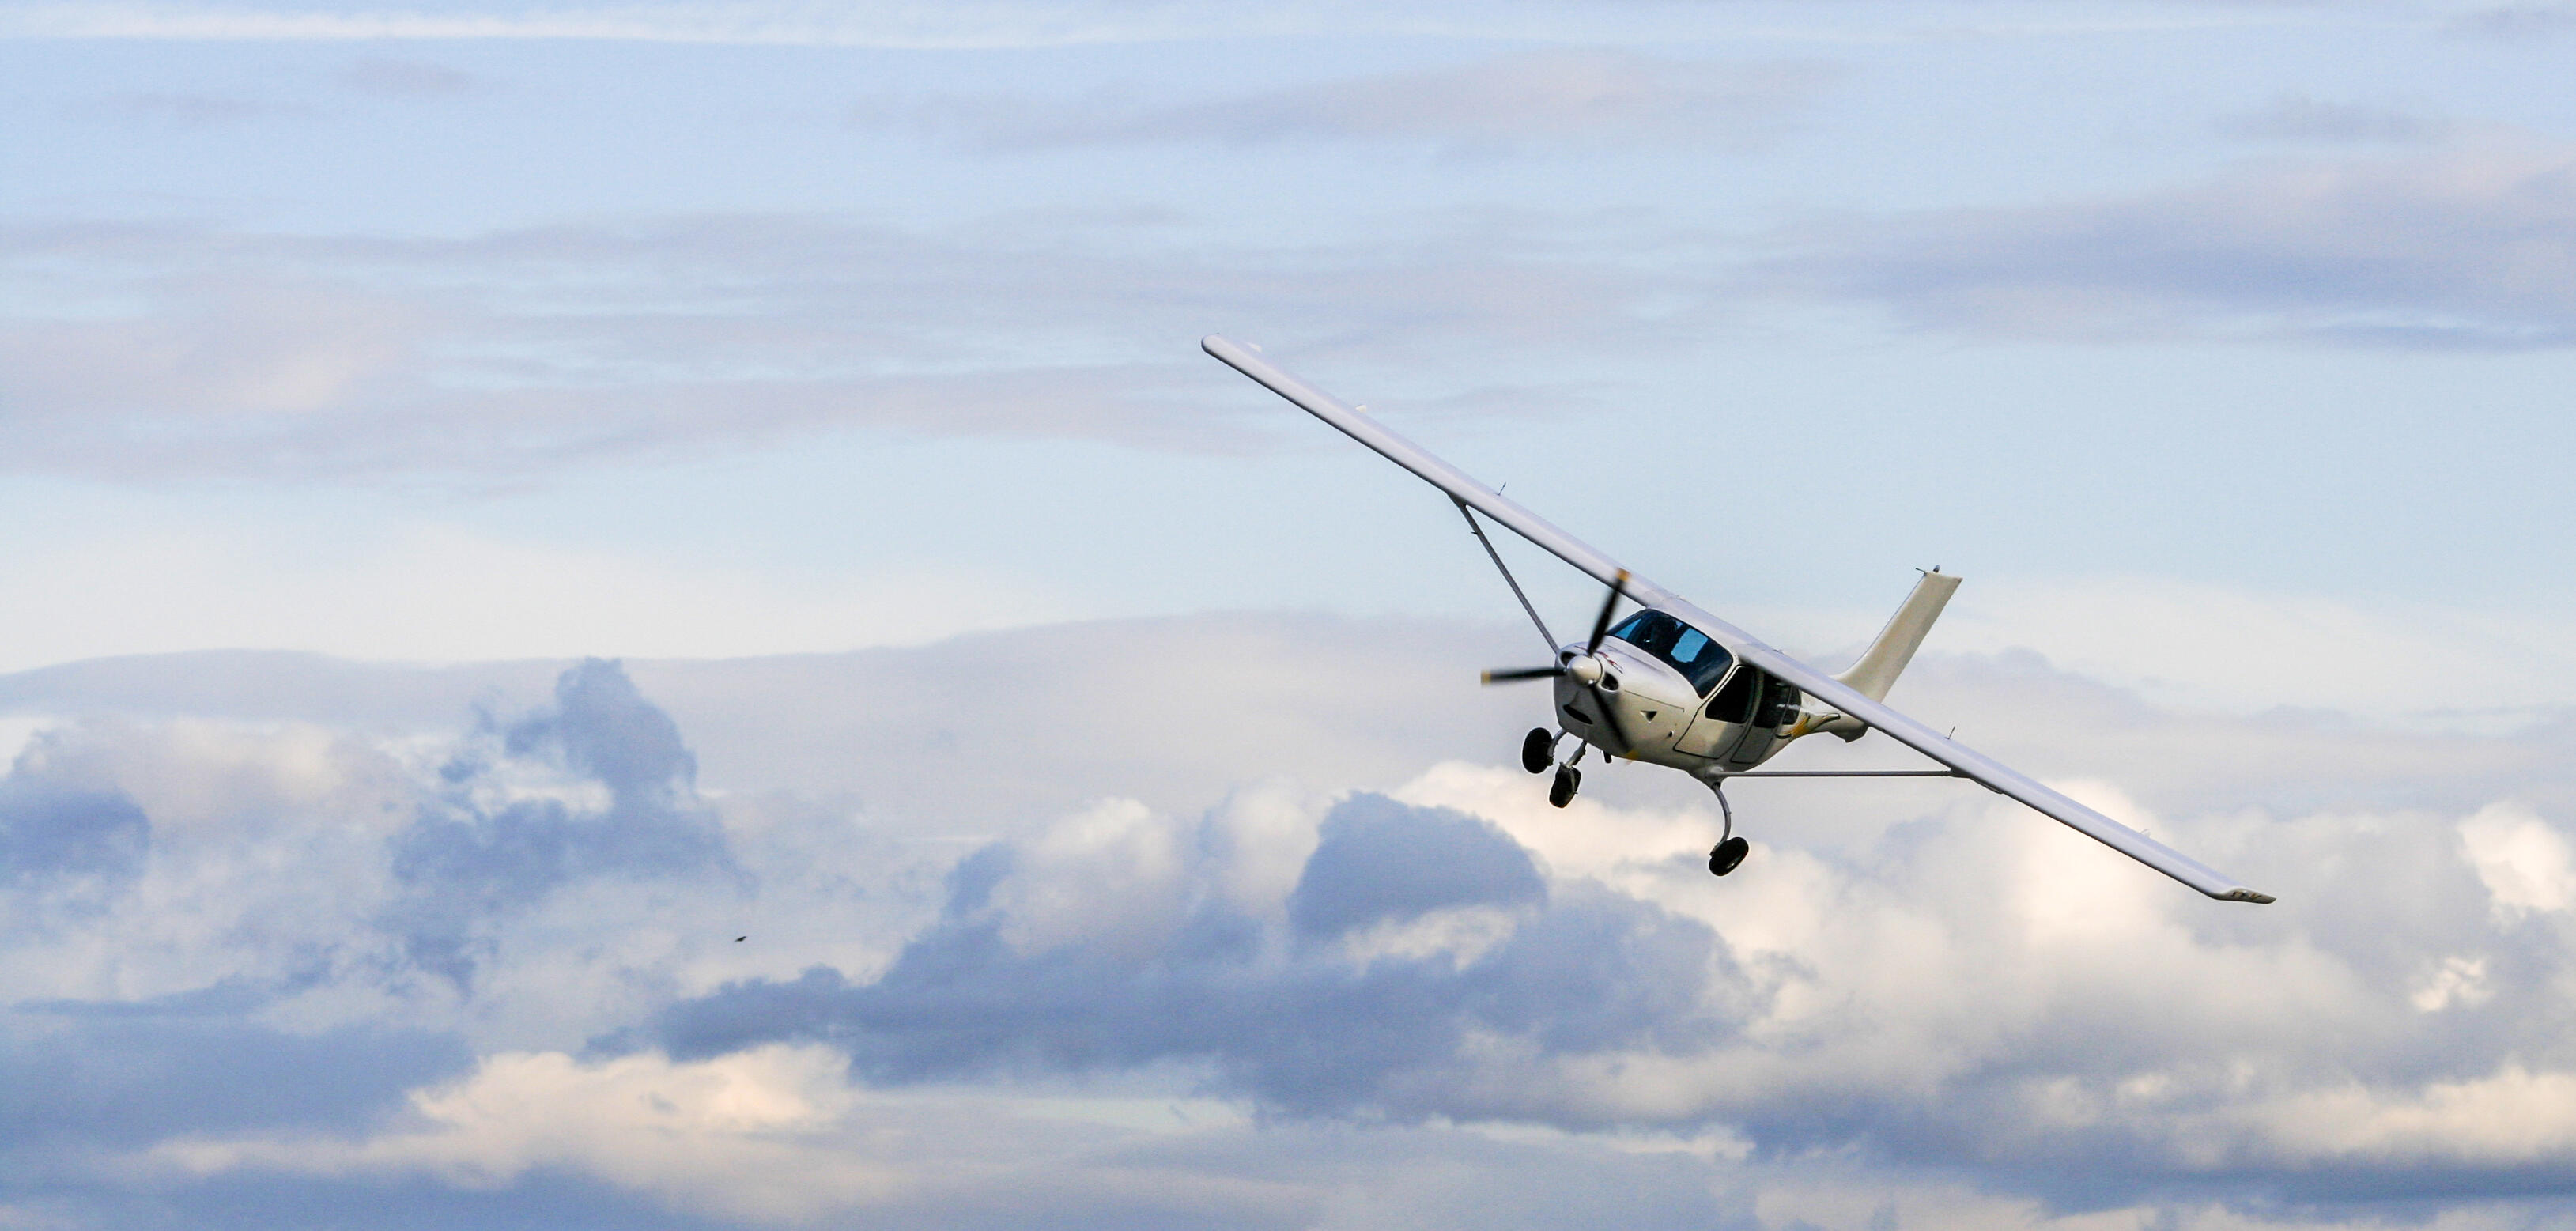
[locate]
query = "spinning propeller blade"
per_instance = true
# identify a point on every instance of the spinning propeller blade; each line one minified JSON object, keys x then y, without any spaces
{"x":1601,"y":697}
{"x":1509,"y":674}
{"x":1604,"y":701}
{"x":1609,"y":607}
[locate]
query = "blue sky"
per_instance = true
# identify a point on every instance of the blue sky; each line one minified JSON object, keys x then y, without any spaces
{"x":835,"y":367}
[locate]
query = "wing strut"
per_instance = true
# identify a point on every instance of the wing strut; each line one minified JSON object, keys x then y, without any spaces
{"x":1476,"y":528}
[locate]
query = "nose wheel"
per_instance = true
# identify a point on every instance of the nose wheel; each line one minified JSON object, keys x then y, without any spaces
{"x":1538,"y":750}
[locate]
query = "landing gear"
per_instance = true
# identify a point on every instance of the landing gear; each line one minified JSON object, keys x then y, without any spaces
{"x":1730,"y":850}
{"x":1538,"y":750}
{"x":1723,"y":857}
{"x":1568,"y":781}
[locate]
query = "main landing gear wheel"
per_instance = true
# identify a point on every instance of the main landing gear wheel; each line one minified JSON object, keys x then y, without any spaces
{"x":1723,"y":857}
{"x":1730,"y":850}
{"x":1538,"y":751}
{"x":1568,"y":781}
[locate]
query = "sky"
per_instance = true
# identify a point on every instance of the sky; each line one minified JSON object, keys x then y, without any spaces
{"x":499,"y":500}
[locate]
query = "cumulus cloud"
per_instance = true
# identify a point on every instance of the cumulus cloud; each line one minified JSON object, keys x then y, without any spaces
{"x":1411,"y":969}
{"x":2471,"y":247}
{"x":1262,"y":1010}
{"x":311,"y":875}
{"x":1540,"y":98}
{"x":498,"y":839}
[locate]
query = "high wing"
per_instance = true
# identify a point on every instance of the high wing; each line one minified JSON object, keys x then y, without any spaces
{"x":1985,"y":770}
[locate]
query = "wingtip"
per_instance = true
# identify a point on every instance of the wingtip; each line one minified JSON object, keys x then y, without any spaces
{"x":2245,"y":895}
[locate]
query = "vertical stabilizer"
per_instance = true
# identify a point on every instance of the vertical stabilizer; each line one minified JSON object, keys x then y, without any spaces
{"x":1886,"y":657}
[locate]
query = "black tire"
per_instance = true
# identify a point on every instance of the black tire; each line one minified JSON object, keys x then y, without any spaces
{"x":1561,"y":792}
{"x":1723,"y":857}
{"x":1538,"y":751}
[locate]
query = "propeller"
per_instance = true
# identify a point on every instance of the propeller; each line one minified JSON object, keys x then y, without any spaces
{"x":1586,"y":668}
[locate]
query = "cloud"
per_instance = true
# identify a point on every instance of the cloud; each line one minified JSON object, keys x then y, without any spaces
{"x":498,"y":841}
{"x":447,"y":595}
{"x":1574,"y":97}
{"x":2516,"y":22}
{"x":1445,"y":997}
{"x":47,"y":831}
{"x":2297,"y":117}
{"x":2526,"y":864}
{"x":78,"y":1078}
{"x":2466,"y":248}
{"x":1377,"y":1024}
{"x":979,"y":25}
{"x":733,"y":1134}
{"x":292,"y":872}
{"x":774,"y":1136}
{"x":399,"y":78}
{"x":1376,"y":861}
{"x":142,"y":351}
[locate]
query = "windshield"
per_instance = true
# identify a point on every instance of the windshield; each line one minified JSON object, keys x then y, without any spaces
{"x":1689,"y":650}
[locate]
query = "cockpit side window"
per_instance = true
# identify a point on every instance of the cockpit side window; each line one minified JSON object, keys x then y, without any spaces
{"x":1734,"y":703}
{"x":1700,"y":660}
{"x":1778,"y":699}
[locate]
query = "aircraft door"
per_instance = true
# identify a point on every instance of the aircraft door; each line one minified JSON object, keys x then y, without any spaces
{"x":1717,"y":726}
{"x":1775,"y":705}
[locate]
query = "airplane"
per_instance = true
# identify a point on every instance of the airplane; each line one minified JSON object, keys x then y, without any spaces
{"x":1674,"y":685}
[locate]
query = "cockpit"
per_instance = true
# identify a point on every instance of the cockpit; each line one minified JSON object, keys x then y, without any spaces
{"x":1700,"y":660}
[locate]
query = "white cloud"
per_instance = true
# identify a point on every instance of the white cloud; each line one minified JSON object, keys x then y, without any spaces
{"x":753,"y":1135}
{"x":2527,"y":864}
{"x":1111,"y":875}
{"x":2511,"y":1117}
{"x":2459,"y":980}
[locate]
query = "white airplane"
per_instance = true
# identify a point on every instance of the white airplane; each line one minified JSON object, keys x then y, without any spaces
{"x":1673,"y":685}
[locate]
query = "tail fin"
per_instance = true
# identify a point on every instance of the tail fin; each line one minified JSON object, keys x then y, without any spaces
{"x":1880,"y":664}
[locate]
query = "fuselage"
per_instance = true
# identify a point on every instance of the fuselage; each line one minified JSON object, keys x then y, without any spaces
{"x":1682,"y":700}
